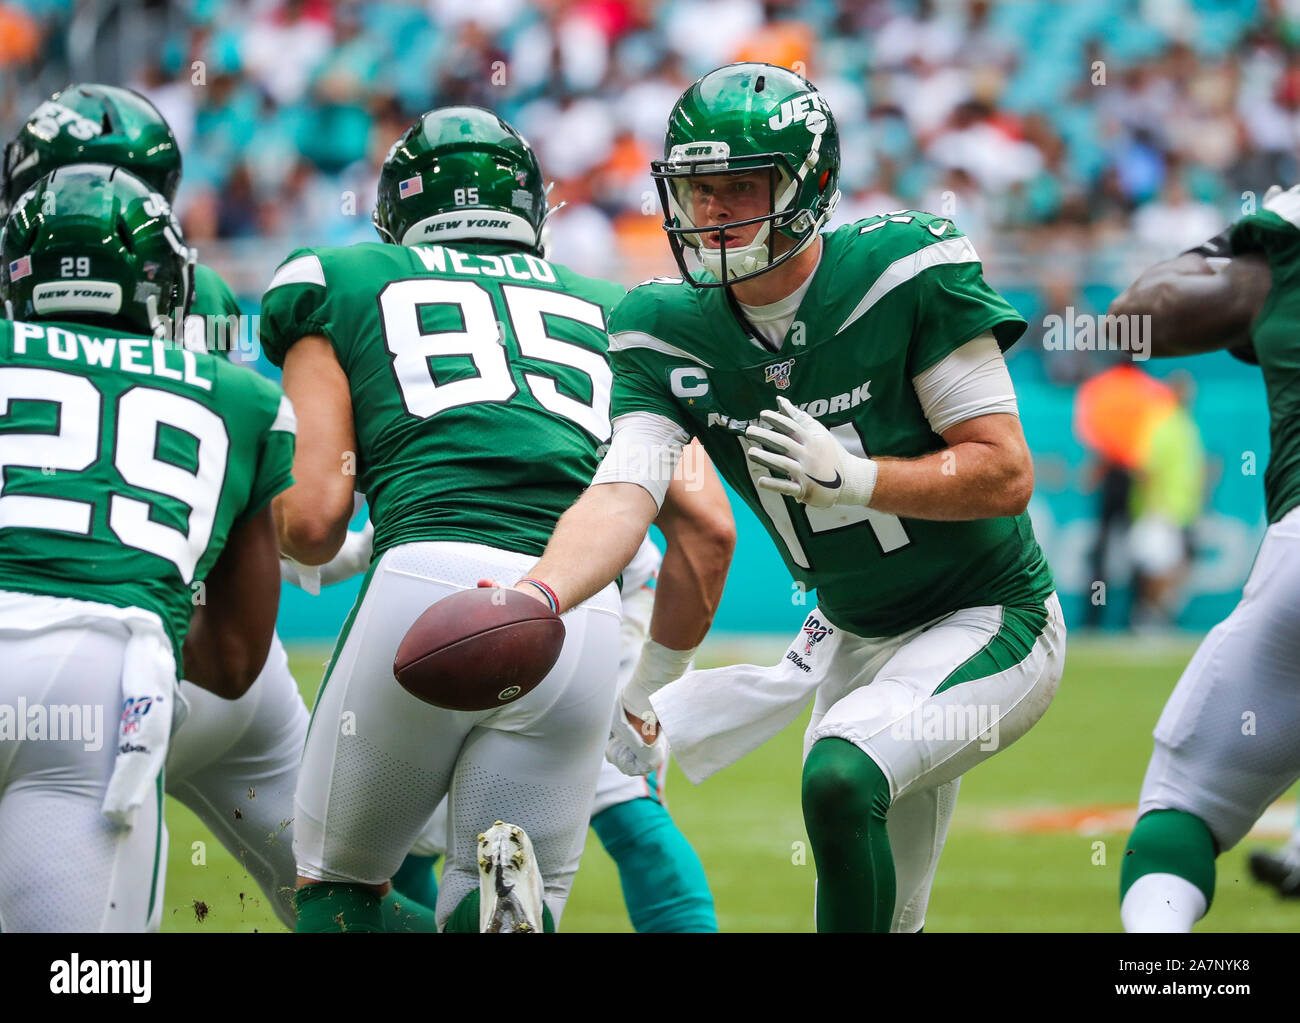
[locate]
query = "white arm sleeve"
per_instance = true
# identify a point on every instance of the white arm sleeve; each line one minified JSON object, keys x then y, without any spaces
{"x":972,"y":381}
{"x":645,"y":451}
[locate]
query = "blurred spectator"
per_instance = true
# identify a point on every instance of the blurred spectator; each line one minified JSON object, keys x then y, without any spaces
{"x":1060,"y":133}
{"x":1175,"y":222}
{"x":1168,"y":496}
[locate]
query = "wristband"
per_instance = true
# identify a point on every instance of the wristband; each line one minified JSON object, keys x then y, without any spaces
{"x":657,"y":666}
{"x":1220,"y":246}
{"x":859,"y":475}
{"x":547,"y":592}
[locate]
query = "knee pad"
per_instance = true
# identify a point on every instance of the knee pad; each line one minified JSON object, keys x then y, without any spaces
{"x":840,"y":782}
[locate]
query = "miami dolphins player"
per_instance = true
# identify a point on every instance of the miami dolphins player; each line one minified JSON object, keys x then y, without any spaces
{"x":1225,"y":744}
{"x":236,"y":762}
{"x":465,"y":378}
{"x":136,"y":538}
{"x":850,"y":387}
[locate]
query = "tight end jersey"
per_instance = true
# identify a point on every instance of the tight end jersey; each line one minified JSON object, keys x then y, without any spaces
{"x":1275,"y":232}
{"x":891,"y":297}
{"x":127,"y":463}
{"x":480,"y":382}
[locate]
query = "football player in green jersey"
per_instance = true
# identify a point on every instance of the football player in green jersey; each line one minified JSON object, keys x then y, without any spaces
{"x":461,"y":380}
{"x":90,"y":123}
{"x":228,"y":747}
{"x":1225,"y":744}
{"x":850,"y":386}
{"x":136,"y":538}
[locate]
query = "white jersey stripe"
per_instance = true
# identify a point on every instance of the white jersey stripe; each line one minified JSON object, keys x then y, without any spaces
{"x":626,"y":339}
{"x":303,"y":270}
{"x":902,"y":270}
{"x":285,"y":419}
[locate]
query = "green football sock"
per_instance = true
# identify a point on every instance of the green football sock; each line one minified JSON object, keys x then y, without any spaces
{"x":415,"y":880}
{"x":404,"y":915}
{"x":845,"y":800}
{"x":464,"y":918}
{"x":331,"y":908}
{"x":1170,"y":842}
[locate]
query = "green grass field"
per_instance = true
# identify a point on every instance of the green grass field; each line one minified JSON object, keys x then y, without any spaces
{"x":1089,"y":751}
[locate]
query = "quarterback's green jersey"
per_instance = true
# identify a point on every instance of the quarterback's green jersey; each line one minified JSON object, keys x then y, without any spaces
{"x":219,"y":309}
{"x":479,"y":376}
{"x":891,"y":297}
{"x":127,"y":463}
{"x":1276,"y":338}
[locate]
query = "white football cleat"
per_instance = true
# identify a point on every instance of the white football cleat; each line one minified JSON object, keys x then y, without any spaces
{"x":509,"y":883}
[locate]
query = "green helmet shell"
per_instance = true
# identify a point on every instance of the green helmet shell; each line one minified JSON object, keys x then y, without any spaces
{"x":736,"y":120}
{"x":94,"y":244}
{"x":93,"y":124}
{"x":461,"y":174}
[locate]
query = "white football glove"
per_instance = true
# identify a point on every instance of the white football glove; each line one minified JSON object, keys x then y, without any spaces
{"x":628,"y":751}
{"x":818,"y":471}
{"x":295,"y":573}
{"x":352,"y":559}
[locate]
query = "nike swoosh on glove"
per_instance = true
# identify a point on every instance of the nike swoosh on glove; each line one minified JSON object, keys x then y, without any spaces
{"x":818,"y":471}
{"x":627,"y":751}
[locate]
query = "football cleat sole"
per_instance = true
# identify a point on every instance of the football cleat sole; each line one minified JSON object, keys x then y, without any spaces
{"x":510,"y":885}
{"x":1278,"y":872}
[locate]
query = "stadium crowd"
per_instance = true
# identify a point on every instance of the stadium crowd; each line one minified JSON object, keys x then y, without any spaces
{"x":1053,"y":132}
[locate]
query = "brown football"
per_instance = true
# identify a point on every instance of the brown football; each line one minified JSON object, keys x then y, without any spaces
{"x":479,"y":649}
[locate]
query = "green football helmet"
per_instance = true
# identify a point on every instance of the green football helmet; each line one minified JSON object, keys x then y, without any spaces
{"x":94,"y":244}
{"x":736,"y":120}
{"x":461,"y":174}
{"x":92,"y":124}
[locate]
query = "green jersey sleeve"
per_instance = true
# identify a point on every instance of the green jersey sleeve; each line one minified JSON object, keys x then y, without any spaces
{"x":295,"y":305}
{"x":212,"y":295}
{"x":214,"y":321}
{"x":275,"y":457}
{"x":642,"y":360}
{"x":934,"y":270}
{"x":1269,"y":231}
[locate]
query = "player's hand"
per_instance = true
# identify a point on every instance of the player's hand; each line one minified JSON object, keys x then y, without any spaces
{"x":818,"y":471}
{"x":635,"y":747}
{"x":295,"y":573}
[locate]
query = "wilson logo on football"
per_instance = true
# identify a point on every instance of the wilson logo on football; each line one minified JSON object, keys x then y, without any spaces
{"x":508,"y":693}
{"x":778,"y":373}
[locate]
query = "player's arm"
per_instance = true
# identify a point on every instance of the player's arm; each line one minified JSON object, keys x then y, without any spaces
{"x":983,"y":471}
{"x":1197,"y":303}
{"x":700,"y":532}
{"x":597,"y":537}
{"x":312,"y":516}
{"x":230,"y":633}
